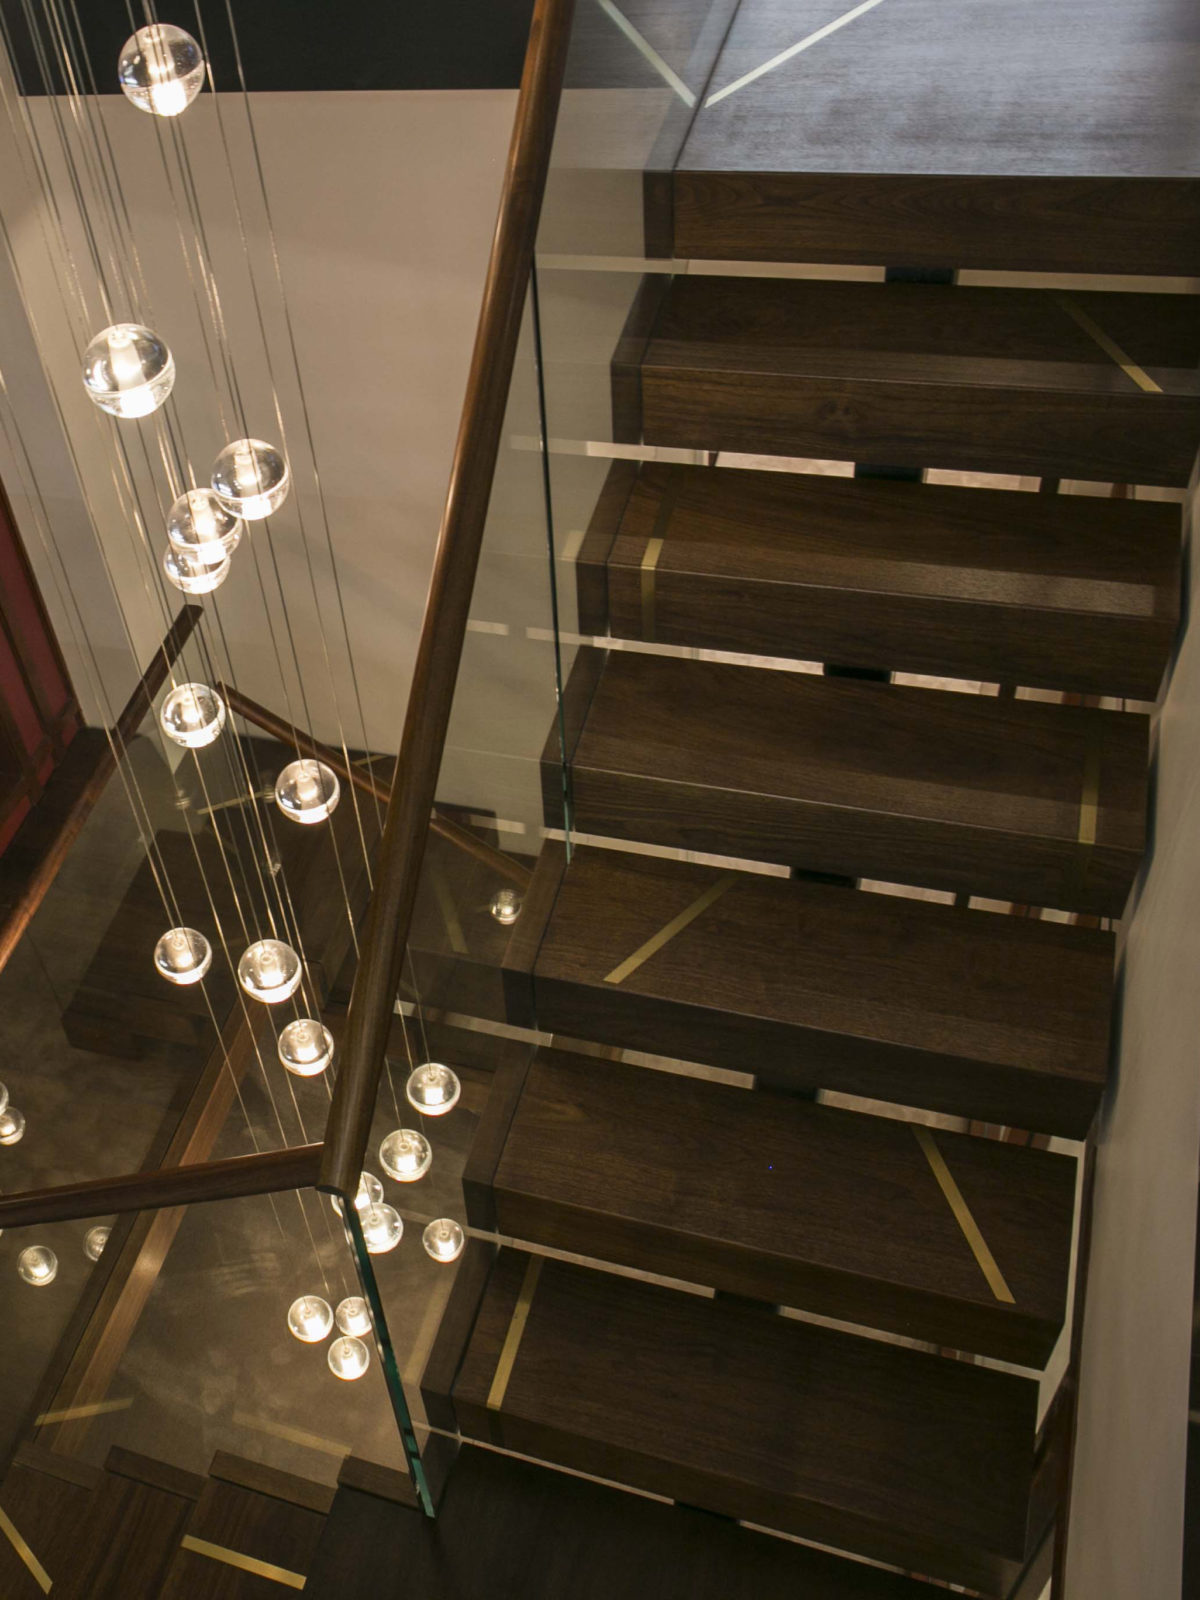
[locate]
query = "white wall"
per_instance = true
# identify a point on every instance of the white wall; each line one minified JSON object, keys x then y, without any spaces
{"x":383,"y":206}
{"x":1127,"y":1513}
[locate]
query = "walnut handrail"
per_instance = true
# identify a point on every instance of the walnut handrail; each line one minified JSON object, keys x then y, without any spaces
{"x":267,"y":1172}
{"x":287,"y":733}
{"x":37,"y":885}
{"x":443,"y":629}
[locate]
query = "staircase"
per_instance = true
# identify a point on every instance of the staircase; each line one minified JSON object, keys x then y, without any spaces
{"x":807,"y":1277}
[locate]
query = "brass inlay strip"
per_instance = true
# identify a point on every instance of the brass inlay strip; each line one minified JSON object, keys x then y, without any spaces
{"x":962,"y":1215}
{"x":1089,"y":802}
{"x":516,"y":1332}
{"x":99,"y":1408}
{"x":40,"y":1576}
{"x":1110,"y":346}
{"x":676,"y":925}
{"x":649,"y":562}
{"x":234,"y":1558}
{"x":666,"y":510}
{"x":281,"y":1430}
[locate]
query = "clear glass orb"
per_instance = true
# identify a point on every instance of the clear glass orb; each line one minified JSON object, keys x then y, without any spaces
{"x":310,"y":1318}
{"x":251,"y":479}
{"x":3,"y":1096}
{"x":94,"y":1241}
{"x":38,"y":1264}
{"x":406,"y":1155}
{"x":200,"y":525}
{"x":191,"y":574}
{"x":354,"y":1317}
{"x":382,"y":1227}
{"x":193,"y":715}
{"x":161,"y":69}
{"x":270,"y":971}
{"x":348,"y":1358}
{"x":433,"y":1089}
{"x":12,"y":1125}
{"x":444,"y":1239}
{"x":306,"y":1047}
{"x":506,"y":906}
{"x":307,"y":791}
{"x":182,"y":956}
{"x":128,"y":370}
{"x":370,"y":1193}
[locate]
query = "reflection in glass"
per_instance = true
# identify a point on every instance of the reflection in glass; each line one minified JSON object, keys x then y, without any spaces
{"x":38,"y":1264}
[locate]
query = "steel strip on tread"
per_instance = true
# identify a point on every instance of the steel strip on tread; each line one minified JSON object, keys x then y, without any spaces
{"x":37,"y":1571}
{"x":676,"y":925}
{"x":234,"y":1558}
{"x":516,"y":1332}
{"x":962,"y":1215}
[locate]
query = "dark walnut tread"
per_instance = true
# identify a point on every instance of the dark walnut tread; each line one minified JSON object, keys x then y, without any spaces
{"x":782,"y":1200}
{"x":277,"y":1524}
{"x":1056,"y":592}
{"x":1030,"y":224}
{"x":911,"y":1458}
{"x":507,"y":1528}
{"x":1043,"y":804}
{"x":1004,"y":1019}
{"x":1001,"y":380}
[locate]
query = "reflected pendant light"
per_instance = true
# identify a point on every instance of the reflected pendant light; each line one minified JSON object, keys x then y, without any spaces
{"x":38,"y":1265}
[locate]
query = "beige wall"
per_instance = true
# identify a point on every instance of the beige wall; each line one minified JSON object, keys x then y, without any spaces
{"x":1127,"y":1517}
{"x":383,"y":206}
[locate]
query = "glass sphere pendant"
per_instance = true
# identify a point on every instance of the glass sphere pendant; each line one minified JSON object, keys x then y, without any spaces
{"x":161,"y":69}
{"x":12,"y":1125}
{"x":505,"y":907}
{"x":250,"y":478}
{"x":200,"y":525}
{"x":382,"y":1228}
{"x":305,"y":1047}
{"x":433,"y":1089}
{"x":348,"y":1358}
{"x":128,"y":370}
{"x":444,"y":1239}
{"x":193,"y":715}
{"x":94,"y":1241}
{"x":354,"y":1317}
{"x":182,"y":956}
{"x":370,"y":1193}
{"x":307,"y":791}
{"x":270,"y":971}
{"x":310,"y":1318}
{"x":192,"y":575}
{"x":406,"y":1155}
{"x":38,"y":1264}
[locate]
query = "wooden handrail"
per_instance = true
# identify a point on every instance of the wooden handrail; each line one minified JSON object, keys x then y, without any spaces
{"x":265,"y":1173}
{"x":288,"y":733}
{"x":443,"y":629}
{"x":35,"y":888}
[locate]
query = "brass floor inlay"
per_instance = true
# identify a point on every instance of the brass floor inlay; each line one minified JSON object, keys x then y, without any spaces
{"x":40,"y":1576}
{"x":234,"y":1558}
{"x":676,"y":925}
{"x":962,"y":1215}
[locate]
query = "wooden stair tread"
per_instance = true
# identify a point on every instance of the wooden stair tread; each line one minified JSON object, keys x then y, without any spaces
{"x":123,"y":1546}
{"x":995,"y":379}
{"x":513,"y":1530}
{"x":947,"y":790}
{"x":234,"y":1532}
{"x":1067,"y":592}
{"x":38,"y":1503}
{"x":970,"y":1012}
{"x":753,"y":1415}
{"x":786,"y":1201}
